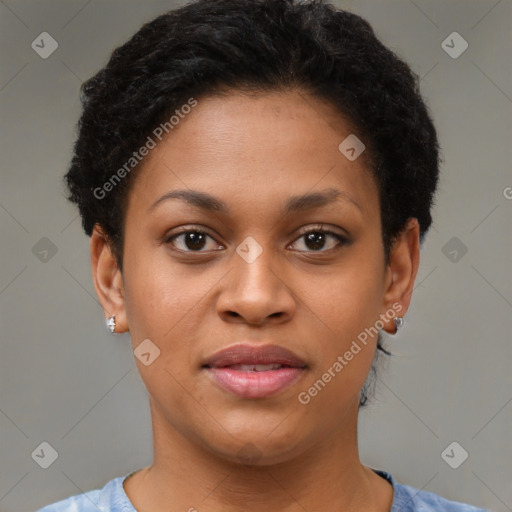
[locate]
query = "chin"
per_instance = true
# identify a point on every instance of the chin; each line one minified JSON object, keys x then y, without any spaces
{"x":253,"y":446}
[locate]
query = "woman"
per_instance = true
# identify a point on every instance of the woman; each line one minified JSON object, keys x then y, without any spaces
{"x":256,"y":178}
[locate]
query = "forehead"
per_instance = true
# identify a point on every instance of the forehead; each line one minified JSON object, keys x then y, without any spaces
{"x":255,"y":148}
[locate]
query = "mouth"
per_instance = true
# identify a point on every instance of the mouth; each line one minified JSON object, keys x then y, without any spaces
{"x":250,"y":371}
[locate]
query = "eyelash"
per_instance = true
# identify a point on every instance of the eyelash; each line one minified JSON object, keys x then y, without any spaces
{"x":342,"y":240}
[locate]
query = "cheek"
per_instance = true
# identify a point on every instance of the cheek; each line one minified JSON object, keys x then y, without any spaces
{"x":167,"y":304}
{"x":159,"y":296}
{"x":161,"y":302}
{"x":346,"y":352}
{"x":343,"y":309}
{"x":349,"y":298}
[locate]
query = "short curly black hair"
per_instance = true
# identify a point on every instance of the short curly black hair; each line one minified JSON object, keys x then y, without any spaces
{"x":207,"y":46}
{"x":262,"y":45}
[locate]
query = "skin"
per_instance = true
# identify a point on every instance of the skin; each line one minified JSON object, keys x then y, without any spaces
{"x":254,"y":152}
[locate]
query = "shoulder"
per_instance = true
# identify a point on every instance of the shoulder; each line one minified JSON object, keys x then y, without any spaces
{"x":410,"y":499}
{"x":111,"y":498}
{"x":80,"y":503}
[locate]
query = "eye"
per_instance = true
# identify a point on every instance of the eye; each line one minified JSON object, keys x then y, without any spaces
{"x":321,"y":240}
{"x":314,"y":240}
{"x":192,"y":241}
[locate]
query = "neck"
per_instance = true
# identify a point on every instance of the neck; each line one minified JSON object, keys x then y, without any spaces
{"x":325,"y":476}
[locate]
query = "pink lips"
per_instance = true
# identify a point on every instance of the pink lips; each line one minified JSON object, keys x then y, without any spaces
{"x":254,"y":371}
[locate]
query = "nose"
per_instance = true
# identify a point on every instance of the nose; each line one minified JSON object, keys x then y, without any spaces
{"x":256,"y":292}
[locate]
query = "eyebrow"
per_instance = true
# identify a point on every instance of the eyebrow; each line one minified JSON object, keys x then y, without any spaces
{"x":294,"y":204}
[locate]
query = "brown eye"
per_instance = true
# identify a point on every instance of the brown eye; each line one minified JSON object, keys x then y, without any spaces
{"x":191,"y":241}
{"x":319,"y":240}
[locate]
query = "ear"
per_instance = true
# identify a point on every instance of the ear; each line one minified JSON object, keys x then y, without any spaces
{"x":401,"y":273}
{"x":108,"y":280}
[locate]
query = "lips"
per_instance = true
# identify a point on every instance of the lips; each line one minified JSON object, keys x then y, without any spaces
{"x":244,"y":354}
{"x":250,"y":371}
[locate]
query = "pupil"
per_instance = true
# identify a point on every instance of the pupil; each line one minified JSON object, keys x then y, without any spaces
{"x":315,"y":241}
{"x":194,"y":240}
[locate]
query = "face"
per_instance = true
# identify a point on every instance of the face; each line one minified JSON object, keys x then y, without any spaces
{"x":248,"y":230}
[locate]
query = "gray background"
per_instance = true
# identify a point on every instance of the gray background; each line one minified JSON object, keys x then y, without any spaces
{"x":65,"y":380}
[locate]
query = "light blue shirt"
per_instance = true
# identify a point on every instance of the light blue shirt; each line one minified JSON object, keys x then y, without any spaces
{"x":112,"y":498}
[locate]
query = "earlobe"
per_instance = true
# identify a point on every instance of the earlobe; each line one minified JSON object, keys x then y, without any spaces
{"x":108,"y":280}
{"x":401,"y":274}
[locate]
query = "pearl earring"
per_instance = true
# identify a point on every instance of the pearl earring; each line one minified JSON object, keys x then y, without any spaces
{"x":111,"y":323}
{"x":399,"y":322}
